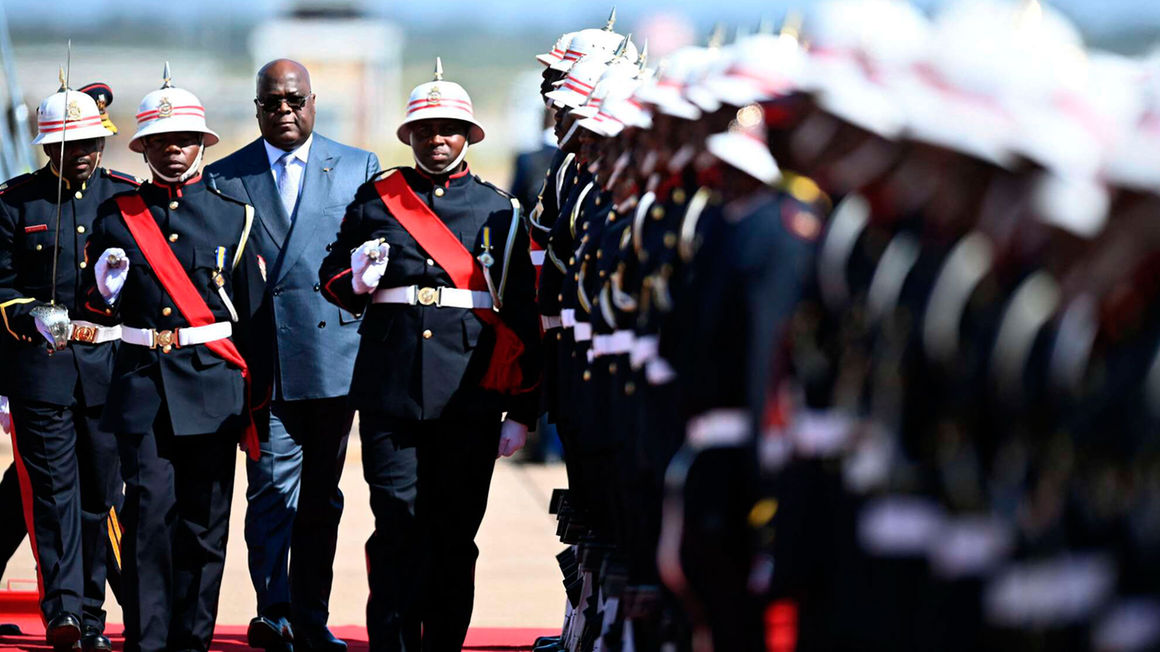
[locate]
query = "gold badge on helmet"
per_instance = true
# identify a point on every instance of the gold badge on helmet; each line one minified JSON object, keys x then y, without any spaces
{"x":164,"y":108}
{"x":73,"y":112}
{"x":433,"y":95}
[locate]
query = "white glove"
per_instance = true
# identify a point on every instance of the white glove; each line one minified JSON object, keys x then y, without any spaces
{"x":512,"y":437}
{"x":368,"y":263}
{"x":5,"y":416}
{"x":111,"y":270}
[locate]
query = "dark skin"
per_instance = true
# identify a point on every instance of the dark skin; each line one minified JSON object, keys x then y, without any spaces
{"x":80,"y":158}
{"x":172,"y":153}
{"x":438,"y":141}
{"x":285,"y":104}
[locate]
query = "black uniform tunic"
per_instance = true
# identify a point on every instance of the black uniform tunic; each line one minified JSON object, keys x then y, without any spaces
{"x":178,"y":411}
{"x":429,"y":431}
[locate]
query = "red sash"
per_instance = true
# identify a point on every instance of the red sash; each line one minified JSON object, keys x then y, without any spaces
{"x":503,"y":372}
{"x":185,"y":296}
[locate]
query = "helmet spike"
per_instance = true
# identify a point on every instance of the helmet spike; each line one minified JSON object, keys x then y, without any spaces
{"x":622,"y":49}
{"x":740,"y":32}
{"x":63,"y":83}
{"x":765,"y":26}
{"x":611,"y":20}
{"x":792,"y":26}
{"x":717,"y":36}
{"x":438,"y":69}
{"x":166,"y":77}
{"x":642,"y":58}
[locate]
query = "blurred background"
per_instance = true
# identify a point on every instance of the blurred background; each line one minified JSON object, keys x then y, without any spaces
{"x":365,"y":56}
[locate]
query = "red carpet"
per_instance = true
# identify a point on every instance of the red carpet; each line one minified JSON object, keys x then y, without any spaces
{"x":15,"y":608}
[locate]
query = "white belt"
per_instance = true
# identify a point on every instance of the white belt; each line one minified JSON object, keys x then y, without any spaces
{"x":820,"y":433}
{"x":90,"y":333}
{"x":583,"y":331}
{"x":617,"y":343}
{"x":548,"y":322}
{"x":188,"y":336}
{"x":716,"y":428}
{"x":441,"y":297}
{"x":568,"y":317}
{"x":644,"y":349}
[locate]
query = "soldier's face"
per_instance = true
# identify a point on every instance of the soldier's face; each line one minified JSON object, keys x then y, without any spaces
{"x":172,"y":154}
{"x":438,"y":142}
{"x":285,"y":106}
{"x":81,"y":158}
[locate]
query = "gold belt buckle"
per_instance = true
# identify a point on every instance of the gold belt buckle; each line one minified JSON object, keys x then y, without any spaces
{"x":164,"y":339}
{"x":428,"y":296}
{"x":86,"y":334}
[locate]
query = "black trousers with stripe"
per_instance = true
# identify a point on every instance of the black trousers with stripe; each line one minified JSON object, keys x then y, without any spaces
{"x":176,"y":519}
{"x":67,"y":468}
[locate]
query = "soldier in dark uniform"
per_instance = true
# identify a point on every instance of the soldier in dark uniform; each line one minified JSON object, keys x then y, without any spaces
{"x":744,"y":283}
{"x":171,"y":262}
{"x":67,"y":462}
{"x":436,"y":259}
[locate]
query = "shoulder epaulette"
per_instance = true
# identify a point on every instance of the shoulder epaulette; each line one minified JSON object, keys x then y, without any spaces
{"x":803,"y":189}
{"x":16,"y":182}
{"x":124,"y":177}
{"x":383,"y":174}
{"x":503,"y":193}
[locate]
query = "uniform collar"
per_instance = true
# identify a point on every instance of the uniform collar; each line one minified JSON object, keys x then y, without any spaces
{"x":84,"y":184}
{"x":302,"y":153}
{"x":174,"y":190}
{"x":446,"y":180}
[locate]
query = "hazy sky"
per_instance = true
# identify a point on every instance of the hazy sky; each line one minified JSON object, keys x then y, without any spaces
{"x":1093,"y":15}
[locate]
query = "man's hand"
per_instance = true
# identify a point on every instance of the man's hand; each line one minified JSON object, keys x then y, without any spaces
{"x":111,"y":271}
{"x":512,"y":437}
{"x":368,"y":263}
{"x":5,"y":416}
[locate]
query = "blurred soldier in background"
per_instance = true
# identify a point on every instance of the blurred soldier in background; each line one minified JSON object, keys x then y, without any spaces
{"x":916,"y":418}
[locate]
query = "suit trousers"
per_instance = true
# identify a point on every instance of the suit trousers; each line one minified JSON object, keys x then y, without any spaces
{"x":67,"y":468}
{"x":176,"y":519}
{"x":429,"y":482}
{"x":294,"y":506}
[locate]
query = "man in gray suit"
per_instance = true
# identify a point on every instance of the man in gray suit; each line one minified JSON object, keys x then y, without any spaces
{"x":300,"y":184}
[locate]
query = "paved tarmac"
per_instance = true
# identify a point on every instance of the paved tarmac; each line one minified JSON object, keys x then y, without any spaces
{"x":518,"y":583}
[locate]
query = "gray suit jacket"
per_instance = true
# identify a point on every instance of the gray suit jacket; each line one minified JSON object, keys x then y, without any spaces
{"x":313,"y":342}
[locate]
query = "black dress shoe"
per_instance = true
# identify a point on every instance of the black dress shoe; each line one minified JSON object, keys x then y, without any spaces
{"x":8,"y":629}
{"x":94,"y":641}
{"x":269,"y":634}
{"x":63,"y":631}
{"x":317,"y":639}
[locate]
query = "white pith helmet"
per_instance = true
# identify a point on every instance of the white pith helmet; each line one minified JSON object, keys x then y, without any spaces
{"x":557,"y":51}
{"x":68,"y":112}
{"x":593,"y":43}
{"x":744,"y":147}
{"x":170,"y":110}
{"x":440,"y":99}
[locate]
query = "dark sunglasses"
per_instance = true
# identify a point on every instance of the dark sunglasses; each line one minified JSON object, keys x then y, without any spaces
{"x":274,"y":103}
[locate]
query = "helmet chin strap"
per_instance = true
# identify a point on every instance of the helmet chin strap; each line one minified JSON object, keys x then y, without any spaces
{"x":447,"y":168}
{"x":189,"y":173}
